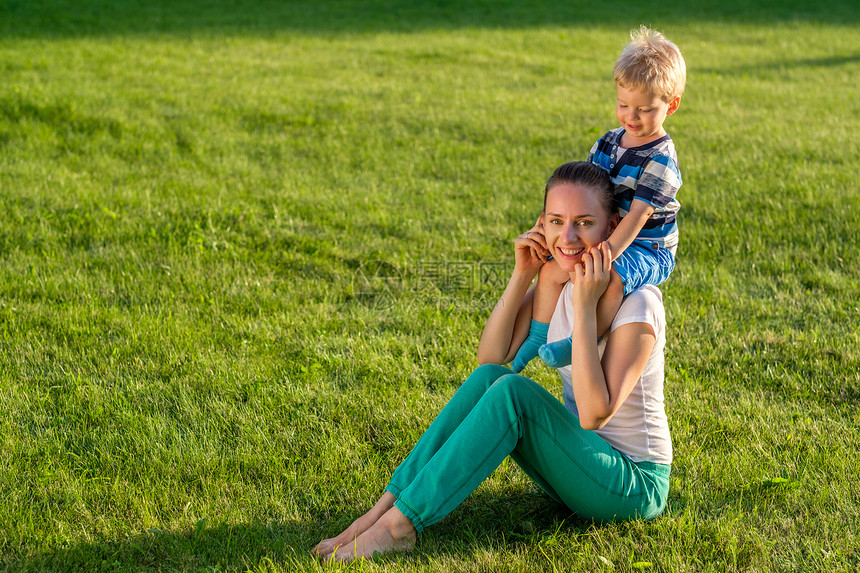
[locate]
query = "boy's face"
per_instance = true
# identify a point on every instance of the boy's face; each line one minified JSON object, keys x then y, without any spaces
{"x":642,"y":115}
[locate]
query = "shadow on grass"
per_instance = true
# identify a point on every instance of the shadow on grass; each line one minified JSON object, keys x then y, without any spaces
{"x":782,"y":66}
{"x":215,"y":548}
{"x":503,"y":522}
{"x":72,"y":18}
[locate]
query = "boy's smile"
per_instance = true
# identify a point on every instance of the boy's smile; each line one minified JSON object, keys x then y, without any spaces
{"x":642,"y":115}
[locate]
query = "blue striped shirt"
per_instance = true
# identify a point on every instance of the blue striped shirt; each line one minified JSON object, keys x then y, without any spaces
{"x":648,"y":173}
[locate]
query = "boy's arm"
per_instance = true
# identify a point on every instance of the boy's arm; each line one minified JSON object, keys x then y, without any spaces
{"x":629,"y":227}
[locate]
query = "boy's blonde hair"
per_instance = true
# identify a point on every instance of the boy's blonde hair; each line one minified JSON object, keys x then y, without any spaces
{"x":651,"y":63}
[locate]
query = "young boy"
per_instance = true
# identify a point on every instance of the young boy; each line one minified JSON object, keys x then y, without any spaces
{"x":650,"y":75}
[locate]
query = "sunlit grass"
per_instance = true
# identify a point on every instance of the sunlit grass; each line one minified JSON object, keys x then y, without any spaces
{"x":246,"y":259}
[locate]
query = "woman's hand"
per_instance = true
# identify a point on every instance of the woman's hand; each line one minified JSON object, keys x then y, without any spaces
{"x":591,"y":276}
{"x":530,"y":249}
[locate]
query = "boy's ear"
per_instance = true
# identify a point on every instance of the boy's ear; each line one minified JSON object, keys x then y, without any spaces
{"x":674,"y":105}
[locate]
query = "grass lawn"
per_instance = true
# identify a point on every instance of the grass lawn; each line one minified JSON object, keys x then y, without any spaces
{"x":248,"y":249}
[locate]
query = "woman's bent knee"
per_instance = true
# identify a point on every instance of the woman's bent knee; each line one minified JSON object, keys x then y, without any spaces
{"x":483,"y":377}
{"x":516,"y":386}
{"x":490,"y":372}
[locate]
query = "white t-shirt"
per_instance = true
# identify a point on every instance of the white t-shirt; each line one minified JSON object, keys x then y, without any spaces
{"x":639,"y":429}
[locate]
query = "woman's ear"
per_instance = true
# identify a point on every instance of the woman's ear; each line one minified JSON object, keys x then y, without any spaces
{"x":613,"y":222}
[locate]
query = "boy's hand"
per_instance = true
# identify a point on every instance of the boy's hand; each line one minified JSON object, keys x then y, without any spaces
{"x":530,"y":248}
{"x":591,"y":276}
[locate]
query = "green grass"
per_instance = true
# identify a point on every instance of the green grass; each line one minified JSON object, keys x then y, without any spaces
{"x":248,"y":250}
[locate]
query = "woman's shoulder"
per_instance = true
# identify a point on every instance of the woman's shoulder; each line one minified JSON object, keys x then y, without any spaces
{"x":646,"y":294}
{"x":645,"y":304}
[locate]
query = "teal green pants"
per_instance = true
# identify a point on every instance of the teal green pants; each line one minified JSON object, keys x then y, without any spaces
{"x":497,"y":413}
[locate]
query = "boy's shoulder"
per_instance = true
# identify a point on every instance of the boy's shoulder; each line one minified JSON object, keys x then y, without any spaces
{"x":611,"y":141}
{"x":612,"y":134}
{"x":613,"y":137}
{"x":666,"y":143}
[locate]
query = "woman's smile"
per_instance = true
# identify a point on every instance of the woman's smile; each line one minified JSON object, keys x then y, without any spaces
{"x":571,"y":252}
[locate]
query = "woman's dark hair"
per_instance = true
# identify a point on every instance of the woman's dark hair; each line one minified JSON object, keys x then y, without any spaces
{"x":586,"y":174}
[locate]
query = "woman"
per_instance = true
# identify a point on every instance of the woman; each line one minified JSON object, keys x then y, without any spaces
{"x":605,"y":452}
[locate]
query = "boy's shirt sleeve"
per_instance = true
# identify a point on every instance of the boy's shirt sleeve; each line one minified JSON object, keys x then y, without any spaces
{"x":659,"y":181}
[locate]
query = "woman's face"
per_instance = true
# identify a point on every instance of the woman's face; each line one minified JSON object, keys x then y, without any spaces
{"x":574,"y":220}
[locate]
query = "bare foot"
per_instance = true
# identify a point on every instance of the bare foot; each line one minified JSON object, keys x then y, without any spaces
{"x":328,"y":546}
{"x":392,"y":532}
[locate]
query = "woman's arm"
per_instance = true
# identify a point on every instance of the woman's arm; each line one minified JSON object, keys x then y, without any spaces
{"x":508,"y":324}
{"x":600,"y":387}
